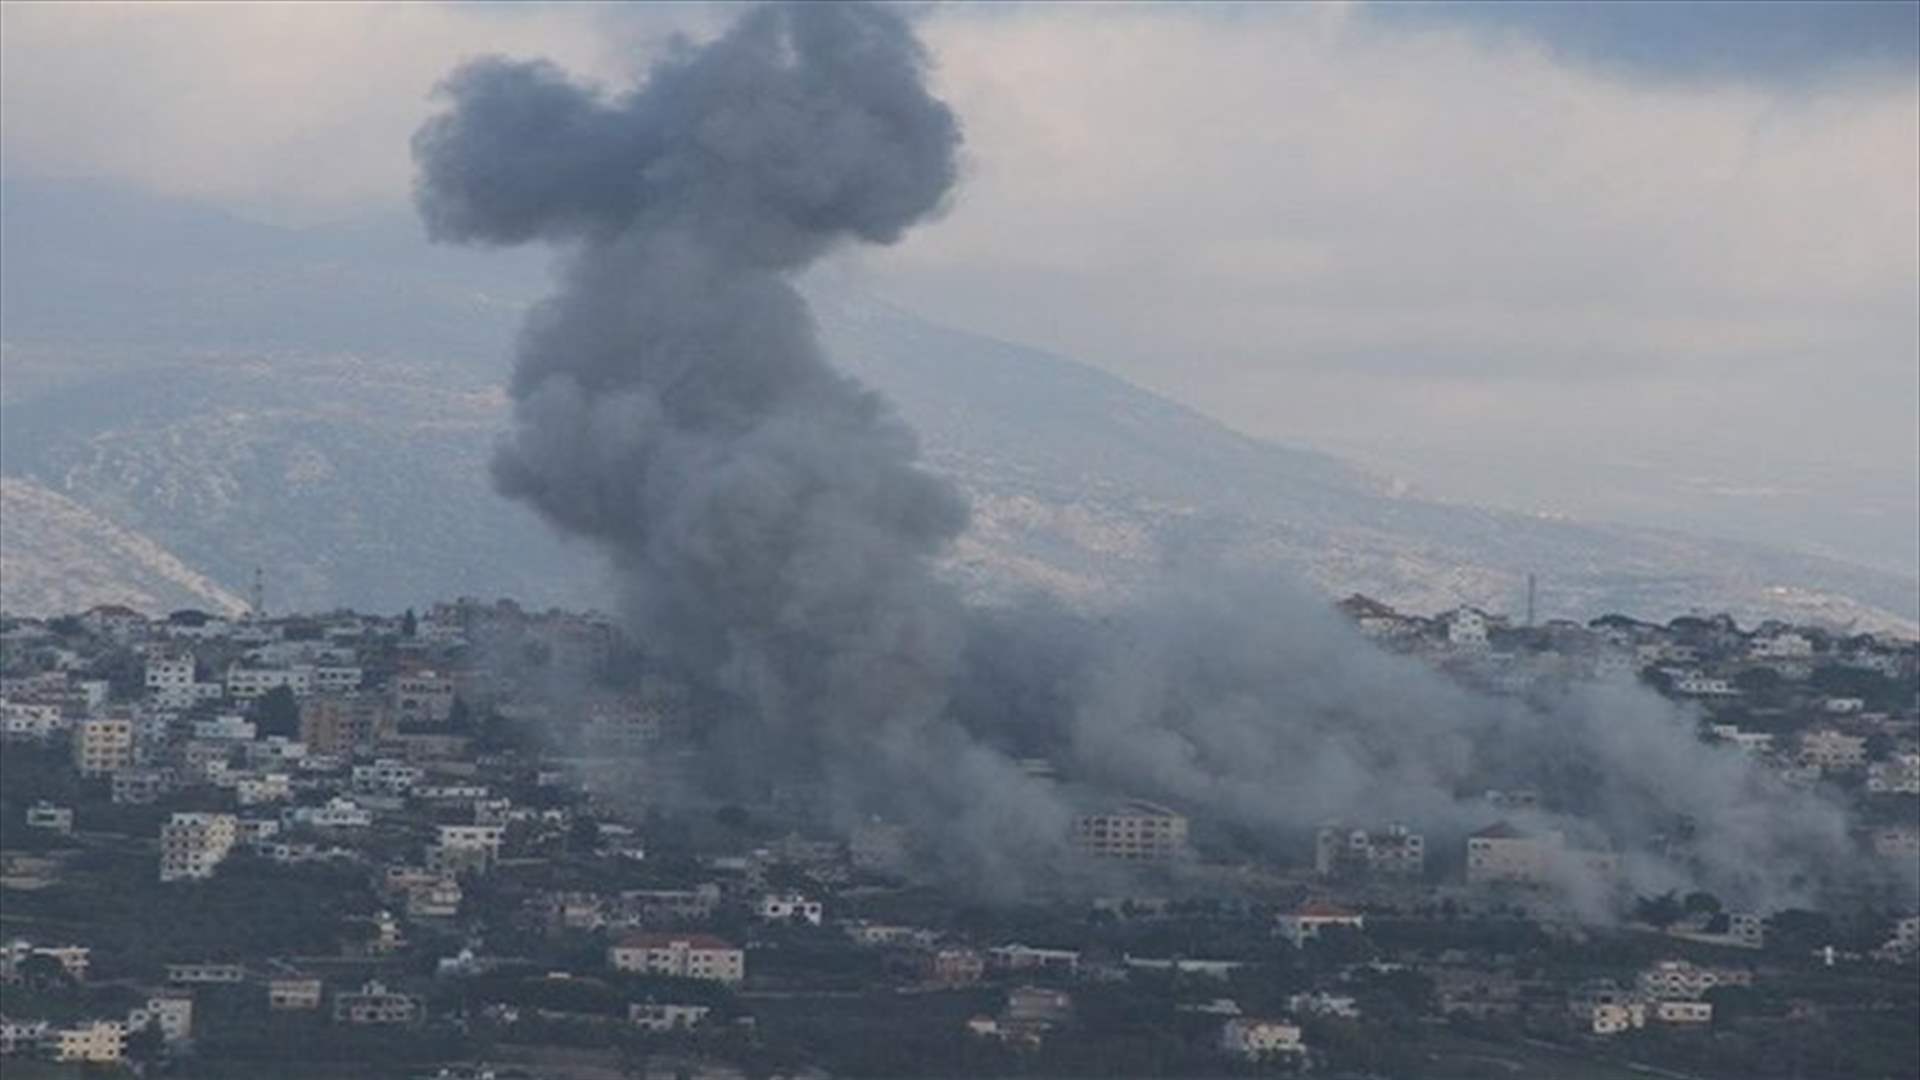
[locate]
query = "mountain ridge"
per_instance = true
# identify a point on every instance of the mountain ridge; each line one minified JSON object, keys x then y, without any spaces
{"x":330,"y":420}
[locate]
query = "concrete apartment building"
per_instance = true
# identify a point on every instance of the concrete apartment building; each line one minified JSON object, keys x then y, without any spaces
{"x":422,"y":697}
{"x":1254,"y":1038}
{"x":1833,"y":751}
{"x":101,"y":1042}
{"x":341,"y":723}
{"x":373,"y":1003}
{"x":192,"y":845}
{"x":1307,"y":922}
{"x":652,"y":1017}
{"x":169,"y":680}
{"x":293,"y":993}
{"x":1682,"y":979}
{"x":692,"y":956}
{"x":102,"y":746}
{"x":1396,"y":850}
{"x":244,"y":683}
{"x":780,"y":907}
{"x":1136,"y":830}
{"x":1503,"y":855}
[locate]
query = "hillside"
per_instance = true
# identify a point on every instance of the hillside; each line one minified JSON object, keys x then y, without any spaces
{"x":57,"y":556}
{"x":321,"y":403}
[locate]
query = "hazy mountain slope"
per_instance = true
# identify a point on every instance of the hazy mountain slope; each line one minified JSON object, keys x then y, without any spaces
{"x":348,"y":482}
{"x":321,"y":403}
{"x":57,"y":556}
{"x":1085,"y":483}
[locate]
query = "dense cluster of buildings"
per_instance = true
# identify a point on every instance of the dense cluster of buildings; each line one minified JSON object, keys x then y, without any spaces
{"x":382,"y":747}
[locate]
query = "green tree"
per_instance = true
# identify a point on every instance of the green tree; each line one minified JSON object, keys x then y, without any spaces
{"x":146,"y":1045}
{"x":1701,"y":903}
{"x":1798,"y":930}
{"x":43,"y":972}
{"x":277,"y":712}
{"x":1659,"y":911}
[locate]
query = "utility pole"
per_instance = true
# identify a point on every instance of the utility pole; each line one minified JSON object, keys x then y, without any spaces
{"x":259,"y":597}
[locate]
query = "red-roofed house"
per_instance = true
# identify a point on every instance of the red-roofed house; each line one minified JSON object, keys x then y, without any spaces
{"x":692,"y":956}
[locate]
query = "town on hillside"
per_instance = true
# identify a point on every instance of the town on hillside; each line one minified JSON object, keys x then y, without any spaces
{"x":462,"y":842}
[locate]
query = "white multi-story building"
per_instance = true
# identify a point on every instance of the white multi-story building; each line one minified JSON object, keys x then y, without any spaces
{"x":73,"y":959}
{"x":1466,"y":629}
{"x":386,"y":777}
{"x":373,"y":1003}
{"x":1896,"y":842}
{"x":100,"y":1042}
{"x":45,"y":815}
{"x":170,"y":1013}
{"x":692,"y":956}
{"x":102,"y":745}
{"x":1396,"y":850}
{"x":781,"y":907}
{"x":1786,"y":645}
{"x":1700,"y":684}
{"x":169,"y":680}
{"x":140,"y":787}
{"x":1254,"y":1038}
{"x":1832,"y":750}
{"x":1306,"y":923}
{"x":652,"y":1017}
{"x":1898,"y":775}
{"x":227,"y":728}
{"x":473,"y":838}
{"x":1683,"y":1012}
{"x":276,"y":752}
{"x":423,"y":697}
{"x":244,"y":683}
{"x":338,"y":813}
{"x":336,"y":678}
{"x":32,"y":719}
{"x":262,"y":788}
{"x":1682,"y":979}
{"x":1612,"y":1018}
{"x":116,"y":621}
{"x":1017,"y":957}
{"x":1752,"y":742}
{"x":289,"y":993}
{"x":20,"y":1036}
{"x":1137,"y":830}
{"x":1503,"y":855}
{"x":436,"y":899}
{"x":193,"y":844}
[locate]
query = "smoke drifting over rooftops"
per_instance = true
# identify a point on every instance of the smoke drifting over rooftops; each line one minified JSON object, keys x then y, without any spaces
{"x":774,"y":537}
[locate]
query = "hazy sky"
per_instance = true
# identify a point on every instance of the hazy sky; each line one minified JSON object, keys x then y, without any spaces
{"x":1658,"y":262}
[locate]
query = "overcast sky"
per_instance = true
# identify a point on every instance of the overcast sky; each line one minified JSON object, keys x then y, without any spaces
{"x":1655,"y":262}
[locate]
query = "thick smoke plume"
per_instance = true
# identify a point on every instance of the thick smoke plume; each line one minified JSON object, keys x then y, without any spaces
{"x":765,"y":515}
{"x":772,"y":534}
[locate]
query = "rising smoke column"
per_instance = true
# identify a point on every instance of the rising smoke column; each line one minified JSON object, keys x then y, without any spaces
{"x":768,"y":524}
{"x":771,"y":531}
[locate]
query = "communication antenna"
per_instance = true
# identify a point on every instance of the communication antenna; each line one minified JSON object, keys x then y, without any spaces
{"x":259,"y":597}
{"x":1530,"y":594}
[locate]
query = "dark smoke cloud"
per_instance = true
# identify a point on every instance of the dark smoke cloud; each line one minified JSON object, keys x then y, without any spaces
{"x":773,"y":535}
{"x":765,"y":514}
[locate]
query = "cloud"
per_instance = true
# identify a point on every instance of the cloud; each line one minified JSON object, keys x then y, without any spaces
{"x":1489,"y":231}
{"x":286,"y":110}
{"x":1781,"y":41}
